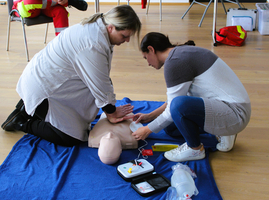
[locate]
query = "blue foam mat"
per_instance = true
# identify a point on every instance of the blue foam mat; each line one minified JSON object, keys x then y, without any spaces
{"x":37,"y":169}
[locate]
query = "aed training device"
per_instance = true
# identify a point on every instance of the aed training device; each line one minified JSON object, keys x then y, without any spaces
{"x":142,"y":177}
{"x":134,"y":168}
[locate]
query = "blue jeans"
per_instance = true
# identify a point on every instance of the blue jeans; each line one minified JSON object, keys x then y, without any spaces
{"x":188,"y":114}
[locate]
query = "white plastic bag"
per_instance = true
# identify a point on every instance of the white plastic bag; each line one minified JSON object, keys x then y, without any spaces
{"x":182,"y":182}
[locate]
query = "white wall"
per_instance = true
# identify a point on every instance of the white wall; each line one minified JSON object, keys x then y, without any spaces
{"x":164,"y":1}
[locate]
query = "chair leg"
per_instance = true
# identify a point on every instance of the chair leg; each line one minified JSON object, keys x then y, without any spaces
{"x":148,"y":7}
{"x":161,"y":10}
{"x":97,"y":8}
{"x":46,"y":33}
{"x":223,"y":6}
{"x":25,"y":41}
{"x":214,"y":23}
{"x":8,"y":32}
{"x":148,"y":2}
{"x":188,"y":9}
{"x":236,"y":2}
{"x":205,"y":13}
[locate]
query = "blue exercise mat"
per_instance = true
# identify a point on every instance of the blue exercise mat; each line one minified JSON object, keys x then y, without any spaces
{"x":37,"y":169}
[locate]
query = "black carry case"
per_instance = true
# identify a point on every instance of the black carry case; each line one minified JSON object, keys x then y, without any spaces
{"x":150,"y":184}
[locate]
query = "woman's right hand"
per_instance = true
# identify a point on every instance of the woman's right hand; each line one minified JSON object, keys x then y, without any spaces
{"x":146,"y":118}
{"x":142,"y":118}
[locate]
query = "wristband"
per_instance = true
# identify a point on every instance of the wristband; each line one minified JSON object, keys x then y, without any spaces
{"x":109,"y":108}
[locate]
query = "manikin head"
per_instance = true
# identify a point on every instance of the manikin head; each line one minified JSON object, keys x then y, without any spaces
{"x":110,"y":149}
{"x":112,"y":138}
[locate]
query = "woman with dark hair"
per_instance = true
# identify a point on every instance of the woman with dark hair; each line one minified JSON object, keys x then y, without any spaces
{"x":203,"y":95}
{"x":65,"y":84}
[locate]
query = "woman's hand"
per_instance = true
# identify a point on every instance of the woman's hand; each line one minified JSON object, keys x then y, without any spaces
{"x":61,"y":2}
{"x":146,"y":118}
{"x":120,"y":114}
{"x":142,"y":118}
{"x":142,"y":133}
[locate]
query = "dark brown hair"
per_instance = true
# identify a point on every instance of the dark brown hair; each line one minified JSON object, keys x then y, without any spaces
{"x":159,"y":42}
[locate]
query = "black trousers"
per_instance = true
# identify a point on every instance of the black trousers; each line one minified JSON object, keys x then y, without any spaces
{"x":37,"y":126}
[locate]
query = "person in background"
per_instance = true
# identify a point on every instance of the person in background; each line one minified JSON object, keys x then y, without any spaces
{"x":64,"y":85}
{"x":51,"y":8}
{"x":203,"y":95}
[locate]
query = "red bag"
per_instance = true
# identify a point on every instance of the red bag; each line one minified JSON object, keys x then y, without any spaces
{"x":143,"y":4}
{"x":231,"y":35}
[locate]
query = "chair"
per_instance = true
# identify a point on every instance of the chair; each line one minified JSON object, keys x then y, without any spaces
{"x":207,"y":6}
{"x":41,"y":19}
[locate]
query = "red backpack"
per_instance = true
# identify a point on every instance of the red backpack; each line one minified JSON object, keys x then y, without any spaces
{"x":231,"y":35}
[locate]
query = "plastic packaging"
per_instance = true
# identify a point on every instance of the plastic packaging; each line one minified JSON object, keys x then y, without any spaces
{"x":263,"y":10}
{"x":182,"y":183}
{"x":171,"y":193}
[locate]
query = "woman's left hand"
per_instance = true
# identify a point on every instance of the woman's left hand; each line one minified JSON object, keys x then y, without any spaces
{"x":62,"y":2}
{"x":121,"y":113}
{"x":142,"y":133}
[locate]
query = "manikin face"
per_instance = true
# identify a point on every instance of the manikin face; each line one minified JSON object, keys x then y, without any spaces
{"x":152,"y":58}
{"x":118,"y":37}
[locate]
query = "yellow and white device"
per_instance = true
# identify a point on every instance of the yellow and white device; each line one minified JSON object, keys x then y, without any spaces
{"x":134,"y":168}
{"x":163,"y":147}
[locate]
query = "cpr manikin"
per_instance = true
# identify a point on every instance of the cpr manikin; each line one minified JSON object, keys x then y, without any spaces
{"x":112,"y":138}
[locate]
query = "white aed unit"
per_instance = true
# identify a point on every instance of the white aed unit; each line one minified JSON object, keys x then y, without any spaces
{"x":242,"y":16}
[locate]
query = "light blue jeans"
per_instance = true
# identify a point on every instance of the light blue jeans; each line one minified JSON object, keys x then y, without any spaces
{"x":188,"y":114}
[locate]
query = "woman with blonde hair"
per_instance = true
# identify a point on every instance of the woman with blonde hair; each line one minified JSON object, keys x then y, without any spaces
{"x":65,"y":84}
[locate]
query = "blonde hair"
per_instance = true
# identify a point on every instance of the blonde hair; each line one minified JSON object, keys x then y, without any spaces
{"x":123,"y":17}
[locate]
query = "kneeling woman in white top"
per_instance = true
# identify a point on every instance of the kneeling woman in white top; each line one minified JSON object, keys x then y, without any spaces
{"x":65,"y":84}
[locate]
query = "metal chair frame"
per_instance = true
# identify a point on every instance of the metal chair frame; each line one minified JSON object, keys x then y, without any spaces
{"x":207,"y":6}
{"x":28,"y":21}
{"x":193,"y":2}
{"x":234,"y":2}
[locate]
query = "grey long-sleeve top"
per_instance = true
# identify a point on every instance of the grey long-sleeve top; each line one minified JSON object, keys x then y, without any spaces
{"x":194,"y":71}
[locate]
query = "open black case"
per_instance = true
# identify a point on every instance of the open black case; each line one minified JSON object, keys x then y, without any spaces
{"x":143,"y":179}
{"x":150,"y":184}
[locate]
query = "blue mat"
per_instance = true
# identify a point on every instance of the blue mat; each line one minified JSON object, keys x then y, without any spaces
{"x":37,"y":169}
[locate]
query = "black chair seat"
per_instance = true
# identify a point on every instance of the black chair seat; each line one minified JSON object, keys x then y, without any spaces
{"x":41,"y":19}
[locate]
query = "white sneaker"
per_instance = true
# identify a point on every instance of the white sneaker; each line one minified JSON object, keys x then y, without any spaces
{"x":184,"y":153}
{"x":226,"y":143}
